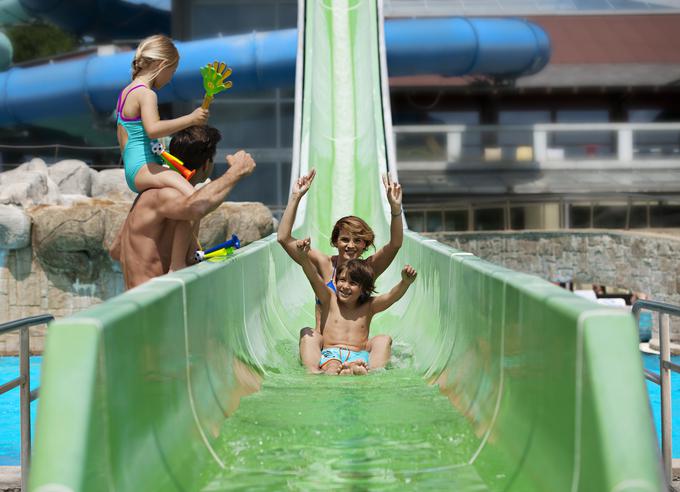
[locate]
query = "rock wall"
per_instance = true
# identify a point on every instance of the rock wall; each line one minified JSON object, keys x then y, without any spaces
{"x":639,"y":261}
{"x":54,"y":257}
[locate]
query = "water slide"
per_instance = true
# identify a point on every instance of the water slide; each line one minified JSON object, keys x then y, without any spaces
{"x":81,"y":88}
{"x":499,"y":380}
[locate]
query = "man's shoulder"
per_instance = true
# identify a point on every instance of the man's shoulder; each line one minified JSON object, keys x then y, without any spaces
{"x":156,"y":196}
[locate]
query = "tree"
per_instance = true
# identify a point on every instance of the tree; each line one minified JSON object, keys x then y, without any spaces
{"x":39,"y":40}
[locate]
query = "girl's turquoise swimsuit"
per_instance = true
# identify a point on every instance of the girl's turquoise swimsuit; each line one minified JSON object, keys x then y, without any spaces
{"x":137,"y":151}
{"x":330,"y":284}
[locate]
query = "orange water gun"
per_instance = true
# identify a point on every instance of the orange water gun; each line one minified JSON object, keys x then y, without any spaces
{"x":173,"y":162}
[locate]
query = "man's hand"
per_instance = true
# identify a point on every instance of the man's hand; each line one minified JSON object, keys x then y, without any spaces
{"x":303,"y":246}
{"x":408,"y":274}
{"x":303,"y":183}
{"x":240,"y":163}
{"x":393,"y":191}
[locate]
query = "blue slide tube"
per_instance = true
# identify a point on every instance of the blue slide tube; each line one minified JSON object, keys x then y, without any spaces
{"x":260,"y":61}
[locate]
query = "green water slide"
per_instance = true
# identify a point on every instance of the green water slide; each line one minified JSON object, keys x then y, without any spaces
{"x":499,"y":380}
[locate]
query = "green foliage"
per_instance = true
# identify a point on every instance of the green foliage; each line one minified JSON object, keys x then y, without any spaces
{"x":39,"y":40}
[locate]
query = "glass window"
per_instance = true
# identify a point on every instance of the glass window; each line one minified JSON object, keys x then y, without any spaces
{"x":656,"y":143}
{"x":434,"y":221}
{"x":245,"y":125}
{"x":456,"y":117}
{"x":489,"y":219}
{"x":415,"y":221}
{"x":517,"y":218}
{"x":582,"y":116}
{"x":287,"y":123}
{"x":523,"y":117}
{"x":638,"y":216}
{"x":579,"y":216}
{"x":209,"y":18}
{"x":609,"y":217}
{"x":643,"y":115}
{"x":509,"y":140}
{"x":421,"y":146}
{"x":456,"y":220}
{"x":285,"y":182}
{"x":261,"y":186}
{"x":590,"y":144}
{"x":665,"y":216}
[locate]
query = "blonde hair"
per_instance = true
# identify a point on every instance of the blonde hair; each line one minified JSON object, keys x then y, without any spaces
{"x":153,"y":49}
{"x":355,"y":226}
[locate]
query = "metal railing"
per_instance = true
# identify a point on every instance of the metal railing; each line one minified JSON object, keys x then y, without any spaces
{"x":663,"y":379}
{"x":606,"y":144}
{"x":26,"y":396}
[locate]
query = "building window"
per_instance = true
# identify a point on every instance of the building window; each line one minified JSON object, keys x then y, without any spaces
{"x":665,"y":215}
{"x":456,"y":220}
{"x":415,"y":221}
{"x":580,"y":216}
{"x":489,"y":219}
{"x":610,"y":216}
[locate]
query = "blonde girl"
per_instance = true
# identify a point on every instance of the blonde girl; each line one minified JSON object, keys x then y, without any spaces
{"x":138,"y":122}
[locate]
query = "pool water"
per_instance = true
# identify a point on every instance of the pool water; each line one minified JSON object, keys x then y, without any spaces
{"x":651,"y":362}
{"x":10,"y":443}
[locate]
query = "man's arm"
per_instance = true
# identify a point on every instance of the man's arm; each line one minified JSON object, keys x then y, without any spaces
{"x":382,"y":302}
{"x":175,"y":206}
{"x":385,"y":255}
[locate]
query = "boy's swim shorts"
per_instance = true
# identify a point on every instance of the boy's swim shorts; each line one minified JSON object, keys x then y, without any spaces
{"x":342,"y":355}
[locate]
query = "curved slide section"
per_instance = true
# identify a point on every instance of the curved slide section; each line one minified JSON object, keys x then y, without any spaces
{"x":545,"y":389}
{"x":503,"y":47}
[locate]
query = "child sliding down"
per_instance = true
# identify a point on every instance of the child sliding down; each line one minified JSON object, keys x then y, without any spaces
{"x":138,"y":122}
{"x":346,"y":313}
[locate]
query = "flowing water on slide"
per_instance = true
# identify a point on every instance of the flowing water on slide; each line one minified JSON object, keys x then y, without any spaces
{"x":305,"y":432}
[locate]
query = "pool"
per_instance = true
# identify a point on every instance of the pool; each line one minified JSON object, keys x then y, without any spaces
{"x":10,"y":443}
{"x":9,"y":405}
{"x":651,"y":362}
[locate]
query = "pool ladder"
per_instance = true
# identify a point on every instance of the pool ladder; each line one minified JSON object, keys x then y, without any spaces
{"x":663,"y":378}
{"x":26,"y":396}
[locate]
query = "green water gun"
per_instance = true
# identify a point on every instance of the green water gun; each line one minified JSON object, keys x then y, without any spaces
{"x":214,"y":80}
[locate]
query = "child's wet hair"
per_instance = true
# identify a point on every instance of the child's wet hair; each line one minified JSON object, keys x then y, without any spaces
{"x":361,"y":272}
{"x":357,"y":227}
{"x":154,"y":49}
{"x":195,"y":145}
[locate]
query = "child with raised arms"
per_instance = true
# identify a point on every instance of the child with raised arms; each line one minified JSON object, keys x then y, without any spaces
{"x":352,"y":237}
{"x":347,"y":311}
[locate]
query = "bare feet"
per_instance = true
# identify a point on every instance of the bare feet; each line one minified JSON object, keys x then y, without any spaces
{"x":357,"y":368}
{"x":332,"y":368}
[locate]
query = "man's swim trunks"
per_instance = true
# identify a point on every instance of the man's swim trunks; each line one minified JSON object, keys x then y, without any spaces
{"x":343,"y":355}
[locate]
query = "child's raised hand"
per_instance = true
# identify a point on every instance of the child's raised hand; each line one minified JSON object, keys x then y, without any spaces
{"x":408,"y":274}
{"x":393,"y":191}
{"x":304,"y":245}
{"x":301,"y":186}
{"x":199,"y":116}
